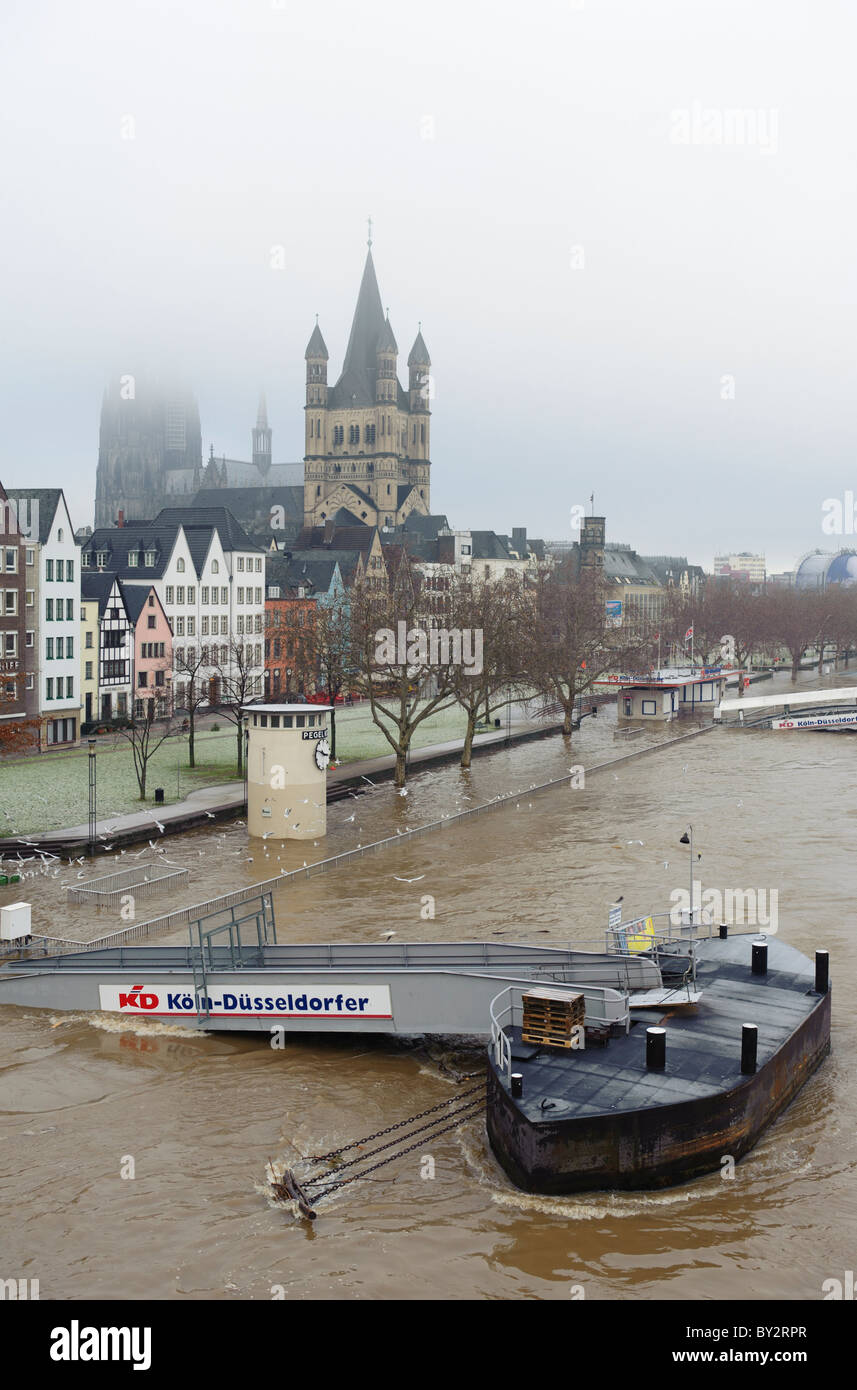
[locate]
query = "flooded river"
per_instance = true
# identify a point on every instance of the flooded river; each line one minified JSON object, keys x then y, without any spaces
{"x":82,"y":1096}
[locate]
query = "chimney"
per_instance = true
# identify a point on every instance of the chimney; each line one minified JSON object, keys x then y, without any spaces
{"x":519,"y":541}
{"x":329,"y":528}
{"x":120,"y":520}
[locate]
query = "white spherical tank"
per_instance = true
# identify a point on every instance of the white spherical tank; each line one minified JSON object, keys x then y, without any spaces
{"x":288,"y":750}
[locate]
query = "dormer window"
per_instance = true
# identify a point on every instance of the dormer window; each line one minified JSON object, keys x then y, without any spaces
{"x":84,"y":559}
{"x":133,"y":559}
{"x":149,"y":559}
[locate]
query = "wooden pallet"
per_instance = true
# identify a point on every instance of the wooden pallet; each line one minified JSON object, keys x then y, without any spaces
{"x":551,"y":1018}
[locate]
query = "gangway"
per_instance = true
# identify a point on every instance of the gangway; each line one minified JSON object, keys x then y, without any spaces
{"x":792,"y":709}
{"x":338,"y":987}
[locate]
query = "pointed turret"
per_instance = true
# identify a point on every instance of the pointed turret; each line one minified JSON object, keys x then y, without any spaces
{"x":316,"y":368}
{"x":262,"y":438}
{"x":419,"y":375}
{"x":386,"y":382}
{"x":356,"y":385}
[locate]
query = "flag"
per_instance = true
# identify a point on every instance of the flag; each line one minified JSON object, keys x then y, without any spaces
{"x":689,"y":633}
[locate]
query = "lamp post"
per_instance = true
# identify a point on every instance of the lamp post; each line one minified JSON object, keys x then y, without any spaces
{"x":288,"y":683}
{"x":92,"y":790}
{"x":687,"y":839}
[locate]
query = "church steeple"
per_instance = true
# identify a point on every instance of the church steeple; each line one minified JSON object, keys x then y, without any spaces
{"x":387,"y":350}
{"x":419,"y":377}
{"x":262,"y":438}
{"x":316,"y":368}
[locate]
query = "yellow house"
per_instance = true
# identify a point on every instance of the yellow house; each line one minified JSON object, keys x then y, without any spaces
{"x":88,"y":660}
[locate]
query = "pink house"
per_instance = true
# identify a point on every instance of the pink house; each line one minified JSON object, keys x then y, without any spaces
{"x":153,"y":651}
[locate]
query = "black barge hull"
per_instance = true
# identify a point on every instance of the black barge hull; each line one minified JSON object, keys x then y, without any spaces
{"x":652,"y":1143}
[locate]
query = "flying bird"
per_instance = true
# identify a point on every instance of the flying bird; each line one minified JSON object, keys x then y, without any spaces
{"x":409,"y":880}
{"x":387,"y":935}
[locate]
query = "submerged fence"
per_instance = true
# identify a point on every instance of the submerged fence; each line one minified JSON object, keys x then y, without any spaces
{"x":182,"y":916}
{"x":144,"y":880}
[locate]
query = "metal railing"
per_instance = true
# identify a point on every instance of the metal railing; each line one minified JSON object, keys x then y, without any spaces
{"x":603,"y":1007}
{"x":144,"y":879}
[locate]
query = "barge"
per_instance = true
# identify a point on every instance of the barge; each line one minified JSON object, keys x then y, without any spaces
{"x":675,"y":1091}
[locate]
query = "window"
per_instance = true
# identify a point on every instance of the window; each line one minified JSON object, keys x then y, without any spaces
{"x":152,"y":620}
{"x":224,"y":595}
{"x":30,"y":597}
{"x":215,"y":567}
{"x":49,"y":569}
{"x":258,"y":623}
{"x":258,"y":595}
{"x":180,"y":565}
{"x":300,"y":720}
{"x":240,"y":564}
{"x":258,"y":650}
{"x":354,"y":434}
{"x":179,"y":627}
{"x":170,"y":594}
{"x":69,"y":647}
{"x":338,"y":434}
{"x":149,"y":561}
{"x":88,"y":643}
{"x":133,"y":559}
{"x":239,"y":624}
{"x":205,"y":593}
{"x":49,"y":610}
{"x":649,"y":707}
{"x":191,"y":627}
{"x":274,"y":592}
{"x":88,"y":671}
{"x":151,"y":600}
{"x":203,"y":631}
{"x":31,"y":555}
{"x":191,"y":594}
{"x":142,"y":678}
{"x":30,"y":682}
{"x":180,"y":593}
{"x":240,"y":598}
{"x":10,"y":607}
{"x":258,"y":564}
{"x":69,"y":609}
{"x":159,"y":678}
{"x":203,"y":656}
{"x":84,"y":559}
{"x":31,"y":639}
{"x":60,"y":535}
{"x":69,"y":687}
{"x":100,"y":559}
{"x":49,"y":688}
{"x":370,"y":434}
{"x":49,"y":649}
{"x":224,"y":627}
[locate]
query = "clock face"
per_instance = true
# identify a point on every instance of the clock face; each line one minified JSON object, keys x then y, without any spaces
{"x":322,"y":754}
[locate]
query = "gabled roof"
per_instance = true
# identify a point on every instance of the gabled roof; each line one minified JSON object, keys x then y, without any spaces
{"x":48,"y":499}
{"x":140,"y":538}
{"x":357,"y":537}
{"x":96,"y":587}
{"x":232,"y":534}
{"x":303,"y":571}
{"x":487,"y":545}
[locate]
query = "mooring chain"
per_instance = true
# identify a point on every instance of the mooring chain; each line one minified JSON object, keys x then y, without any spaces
{"x":361,"y":1158}
{"x":379,"y":1133}
{"x":355,"y":1177}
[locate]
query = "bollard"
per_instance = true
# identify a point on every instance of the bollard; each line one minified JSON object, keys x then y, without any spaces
{"x":760,"y":957}
{"x":822,"y":971}
{"x":724,"y":931}
{"x":656,"y":1048}
{"x":517,"y":1084}
{"x":749,"y":1047}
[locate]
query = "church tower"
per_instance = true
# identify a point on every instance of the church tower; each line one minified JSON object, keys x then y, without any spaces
{"x":367,"y":442}
{"x":262,"y":438}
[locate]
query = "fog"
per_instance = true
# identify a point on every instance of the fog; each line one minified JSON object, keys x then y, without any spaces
{"x":626,"y":228}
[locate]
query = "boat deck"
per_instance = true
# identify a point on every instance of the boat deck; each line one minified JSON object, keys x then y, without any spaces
{"x":703,"y":1042}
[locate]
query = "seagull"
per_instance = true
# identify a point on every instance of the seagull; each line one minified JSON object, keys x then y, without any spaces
{"x":210,"y":815}
{"x":402,"y":791}
{"x":350,"y":818}
{"x":409,"y":880}
{"x":266,"y":834}
{"x":635,"y":842}
{"x":366,"y":779}
{"x":387,"y":935}
{"x":666,"y":863}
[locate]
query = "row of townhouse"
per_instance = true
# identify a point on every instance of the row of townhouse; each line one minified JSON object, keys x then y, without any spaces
{"x":208,"y":578}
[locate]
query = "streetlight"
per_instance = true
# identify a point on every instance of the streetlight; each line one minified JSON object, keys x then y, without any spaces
{"x":687,"y":839}
{"x":92,"y":746}
{"x":288,"y":683}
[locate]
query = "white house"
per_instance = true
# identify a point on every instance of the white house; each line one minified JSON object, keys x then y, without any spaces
{"x":52,"y":606}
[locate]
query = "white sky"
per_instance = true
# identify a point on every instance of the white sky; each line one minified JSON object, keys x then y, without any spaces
{"x":260,"y":124}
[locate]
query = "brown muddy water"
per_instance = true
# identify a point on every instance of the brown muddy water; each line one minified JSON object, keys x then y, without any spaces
{"x":200,"y":1115}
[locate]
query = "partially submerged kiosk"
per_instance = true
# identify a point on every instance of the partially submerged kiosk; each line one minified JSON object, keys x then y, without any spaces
{"x":288,"y":751}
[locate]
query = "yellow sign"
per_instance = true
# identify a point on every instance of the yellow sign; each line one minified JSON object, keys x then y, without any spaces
{"x":643,"y":938}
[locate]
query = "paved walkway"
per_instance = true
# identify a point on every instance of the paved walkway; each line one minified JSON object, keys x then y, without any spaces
{"x":222,"y":801}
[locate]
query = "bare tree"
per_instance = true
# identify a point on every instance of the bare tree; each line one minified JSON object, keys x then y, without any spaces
{"x":497,"y":610}
{"x":188,"y":663}
{"x":333,"y":654}
{"x":403,"y":669}
{"x":569,"y":641}
{"x":238,"y":675}
{"x":145,"y":740}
